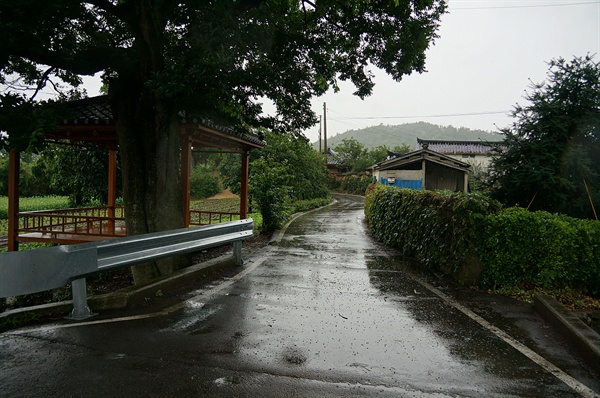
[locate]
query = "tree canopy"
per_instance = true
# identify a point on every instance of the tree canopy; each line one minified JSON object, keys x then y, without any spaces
{"x":552,"y":150}
{"x":219,"y":59}
{"x":285,"y":171}
{"x":356,"y":157}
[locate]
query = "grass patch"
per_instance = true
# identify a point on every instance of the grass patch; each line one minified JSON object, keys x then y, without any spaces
{"x":35,"y":203}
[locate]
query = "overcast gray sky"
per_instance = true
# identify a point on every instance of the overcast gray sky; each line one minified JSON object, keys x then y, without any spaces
{"x":482,"y":63}
{"x":478,"y":69}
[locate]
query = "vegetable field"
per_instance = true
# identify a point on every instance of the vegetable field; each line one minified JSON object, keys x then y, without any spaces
{"x":231,"y":205}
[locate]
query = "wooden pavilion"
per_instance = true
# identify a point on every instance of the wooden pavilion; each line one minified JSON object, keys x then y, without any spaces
{"x":92,"y":124}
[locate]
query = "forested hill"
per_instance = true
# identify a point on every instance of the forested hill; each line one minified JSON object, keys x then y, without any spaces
{"x":391,"y":136}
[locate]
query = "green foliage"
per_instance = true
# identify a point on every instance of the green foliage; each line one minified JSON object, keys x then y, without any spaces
{"x":26,"y":121}
{"x":355,"y":156}
{"x":437,"y":228}
{"x":285,"y":171}
{"x":34,"y":180}
{"x":221,"y":58}
{"x":269,"y":191}
{"x":80,"y":173}
{"x":350,"y":153}
{"x":203,"y":184}
{"x":305,"y":205}
{"x":554,"y":144}
{"x":34,"y":204}
{"x":514,"y":248}
{"x":355,"y":184}
{"x":520,"y":248}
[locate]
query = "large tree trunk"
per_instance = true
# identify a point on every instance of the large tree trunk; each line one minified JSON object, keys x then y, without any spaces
{"x":151,"y":161}
{"x":147,"y":128}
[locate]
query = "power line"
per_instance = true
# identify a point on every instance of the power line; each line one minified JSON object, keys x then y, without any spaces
{"x":526,"y":6}
{"x":421,"y":116}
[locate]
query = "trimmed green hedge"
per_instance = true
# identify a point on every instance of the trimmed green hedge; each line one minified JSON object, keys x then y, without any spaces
{"x":540,"y":249}
{"x":438,"y":228}
{"x":470,"y":237}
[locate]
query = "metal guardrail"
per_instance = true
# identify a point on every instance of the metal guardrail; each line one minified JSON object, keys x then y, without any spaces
{"x":44,"y":269}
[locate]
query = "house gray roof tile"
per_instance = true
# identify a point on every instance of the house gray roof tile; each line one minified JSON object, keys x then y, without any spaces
{"x":457,"y":147}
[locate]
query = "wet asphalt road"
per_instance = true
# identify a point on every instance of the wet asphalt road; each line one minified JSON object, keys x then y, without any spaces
{"x":323,"y":312}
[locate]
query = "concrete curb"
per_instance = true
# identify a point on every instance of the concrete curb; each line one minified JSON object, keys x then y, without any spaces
{"x":579,"y":335}
{"x":114,"y":300}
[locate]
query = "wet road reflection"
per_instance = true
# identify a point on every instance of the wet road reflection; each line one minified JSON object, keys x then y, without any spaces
{"x":323,"y":312}
{"x":329,"y":301}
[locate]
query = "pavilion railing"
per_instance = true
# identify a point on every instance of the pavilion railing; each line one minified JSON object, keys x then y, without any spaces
{"x":201,"y":217}
{"x":97,"y":221}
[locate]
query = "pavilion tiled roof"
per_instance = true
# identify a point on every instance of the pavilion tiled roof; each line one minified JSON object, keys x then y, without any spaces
{"x":97,"y":111}
{"x":94,"y":110}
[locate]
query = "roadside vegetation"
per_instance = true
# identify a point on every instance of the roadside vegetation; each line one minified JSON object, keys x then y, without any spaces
{"x":354,"y":157}
{"x":533,"y":224}
{"x":477,"y":242}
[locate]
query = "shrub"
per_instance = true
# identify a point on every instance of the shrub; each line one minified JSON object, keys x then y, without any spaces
{"x":352,"y":183}
{"x":437,"y":228}
{"x":202,"y":184}
{"x":521,"y":248}
{"x":513,"y":248}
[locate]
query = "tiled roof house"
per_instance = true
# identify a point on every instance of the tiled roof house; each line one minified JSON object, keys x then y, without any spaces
{"x":475,"y":153}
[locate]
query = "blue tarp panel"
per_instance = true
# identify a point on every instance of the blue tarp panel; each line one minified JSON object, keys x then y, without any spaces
{"x":410,"y":184}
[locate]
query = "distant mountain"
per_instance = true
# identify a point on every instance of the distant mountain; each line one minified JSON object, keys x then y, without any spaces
{"x":391,"y":136}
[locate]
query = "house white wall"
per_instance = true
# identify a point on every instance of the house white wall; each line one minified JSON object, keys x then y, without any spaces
{"x":477,"y":161}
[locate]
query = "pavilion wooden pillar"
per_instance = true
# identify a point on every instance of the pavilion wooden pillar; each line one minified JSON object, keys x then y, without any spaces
{"x":244,"y":184}
{"x":14,"y":170}
{"x":186,"y":167}
{"x":112,"y":188}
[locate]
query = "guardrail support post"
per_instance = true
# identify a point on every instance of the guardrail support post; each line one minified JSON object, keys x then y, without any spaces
{"x":80,"y":308}
{"x":237,"y":252}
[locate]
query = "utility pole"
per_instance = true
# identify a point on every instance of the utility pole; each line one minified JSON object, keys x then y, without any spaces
{"x":325,"y":150}
{"x":320,"y":125}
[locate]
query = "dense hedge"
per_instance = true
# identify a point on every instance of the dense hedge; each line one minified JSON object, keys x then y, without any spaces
{"x":459,"y":233}
{"x":537,"y":248}
{"x":438,"y":228}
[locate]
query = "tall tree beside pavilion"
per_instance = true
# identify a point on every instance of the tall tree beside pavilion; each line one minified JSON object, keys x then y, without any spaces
{"x":218,"y":59}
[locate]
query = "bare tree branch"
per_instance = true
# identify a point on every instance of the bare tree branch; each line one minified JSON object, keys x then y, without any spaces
{"x":42,"y":82}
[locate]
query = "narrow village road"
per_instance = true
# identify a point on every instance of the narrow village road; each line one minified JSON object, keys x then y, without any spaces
{"x":323,"y":312}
